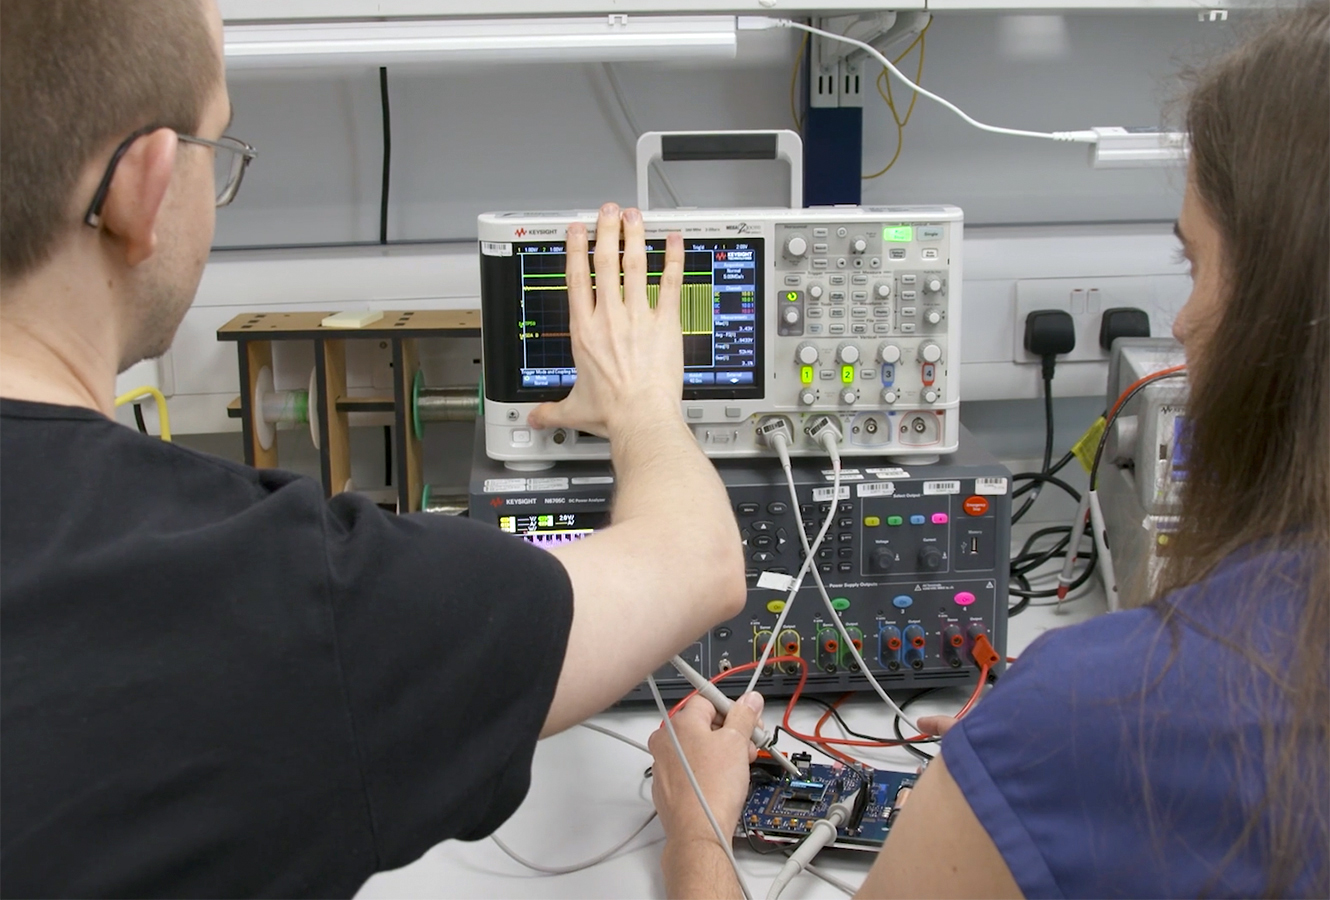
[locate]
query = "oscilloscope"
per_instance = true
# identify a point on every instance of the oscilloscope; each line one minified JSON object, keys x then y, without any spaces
{"x":849,"y":312}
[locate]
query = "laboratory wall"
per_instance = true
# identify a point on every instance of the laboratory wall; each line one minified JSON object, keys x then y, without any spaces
{"x":467,"y":139}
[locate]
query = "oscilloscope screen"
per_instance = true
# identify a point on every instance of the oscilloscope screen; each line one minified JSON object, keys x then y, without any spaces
{"x":719,"y":311}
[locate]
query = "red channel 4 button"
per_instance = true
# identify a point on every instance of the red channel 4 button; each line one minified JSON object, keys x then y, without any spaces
{"x":964,"y":598}
{"x":975,"y":505}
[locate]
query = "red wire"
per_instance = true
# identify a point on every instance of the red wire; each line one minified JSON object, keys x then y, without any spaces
{"x":1137,"y":383}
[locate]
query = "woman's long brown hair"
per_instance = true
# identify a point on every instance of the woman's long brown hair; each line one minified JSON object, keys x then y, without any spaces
{"x":1258,"y":472}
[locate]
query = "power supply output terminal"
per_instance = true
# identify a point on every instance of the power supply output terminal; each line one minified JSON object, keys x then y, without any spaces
{"x":889,"y":647}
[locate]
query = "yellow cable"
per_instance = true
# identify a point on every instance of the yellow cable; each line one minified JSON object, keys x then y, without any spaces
{"x":921,"y":42}
{"x":163,"y":417}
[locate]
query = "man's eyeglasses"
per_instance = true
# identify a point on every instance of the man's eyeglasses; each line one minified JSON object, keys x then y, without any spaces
{"x":231,"y":156}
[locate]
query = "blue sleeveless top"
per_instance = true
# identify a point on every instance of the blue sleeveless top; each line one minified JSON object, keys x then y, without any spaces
{"x":1122,"y":757}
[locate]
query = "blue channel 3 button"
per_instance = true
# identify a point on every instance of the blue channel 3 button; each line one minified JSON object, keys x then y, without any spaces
{"x":903,"y":601}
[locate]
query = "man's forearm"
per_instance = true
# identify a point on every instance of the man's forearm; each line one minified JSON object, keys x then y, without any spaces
{"x":698,"y":868}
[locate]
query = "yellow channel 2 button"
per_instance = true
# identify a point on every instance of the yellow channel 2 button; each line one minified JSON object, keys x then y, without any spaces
{"x":872,"y":521}
{"x":847,"y":374}
{"x":775,"y":606}
{"x":806,"y":374}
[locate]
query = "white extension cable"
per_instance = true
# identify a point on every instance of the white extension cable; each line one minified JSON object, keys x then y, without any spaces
{"x":759,"y":23}
{"x":828,"y":438}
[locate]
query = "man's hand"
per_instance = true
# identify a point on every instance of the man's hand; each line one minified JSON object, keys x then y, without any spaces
{"x":629,"y":356}
{"x":719,"y":754}
{"x":936,"y":726}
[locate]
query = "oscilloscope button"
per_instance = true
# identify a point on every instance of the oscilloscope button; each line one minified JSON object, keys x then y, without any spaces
{"x":883,"y":290}
{"x":858,"y":245}
{"x":930,"y":352}
{"x":848,"y":396}
{"x":933,"y":285}
{"x":889,"y":354}
{"x":796,"y":246}
{"x":815,"y":291}
{"x":791,"y":315}
{"x":847,"y":354}
{"x":805,"y":354}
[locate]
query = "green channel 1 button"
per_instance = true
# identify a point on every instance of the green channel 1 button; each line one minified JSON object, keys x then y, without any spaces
{"x":840,"y":604}
{"x":895,"y":520}
{"x":776,"y":606}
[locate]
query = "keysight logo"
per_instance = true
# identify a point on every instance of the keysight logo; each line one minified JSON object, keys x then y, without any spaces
{"x":523,"y":232}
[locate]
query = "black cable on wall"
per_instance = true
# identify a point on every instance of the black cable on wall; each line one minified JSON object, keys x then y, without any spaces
{"x":387,"y":153}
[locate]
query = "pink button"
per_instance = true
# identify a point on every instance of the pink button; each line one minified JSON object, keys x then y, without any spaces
{"x":964,"y":598}
{"x":939,"y":518}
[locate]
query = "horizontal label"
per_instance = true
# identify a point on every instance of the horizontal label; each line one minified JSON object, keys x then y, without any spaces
{"x":942,"y":487}
{"x":825,"y":493}
{"x":547,"y":484}
{"x":845,"y":475}
{"x":990,"y":486}
{"x":594,"y":479}
{"x":520,"y":485}
{"x":496,"y":248}
{"x":888,"y":473}
{"x":877,"y":489}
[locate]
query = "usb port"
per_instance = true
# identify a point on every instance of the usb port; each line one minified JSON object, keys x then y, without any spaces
{"x":974,"y":544}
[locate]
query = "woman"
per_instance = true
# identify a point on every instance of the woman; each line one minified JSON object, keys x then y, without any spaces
{"x":1180,"y":748}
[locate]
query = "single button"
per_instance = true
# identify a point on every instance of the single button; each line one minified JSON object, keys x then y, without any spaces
{"x":930,"y":232}
{"x":762,"y":542}
{"x":777,"y":508}
{"x":775,"y":606}
{"x":895,"y":520}
{"x":747,"y":509}
{"x":908,"y":310}
{"x":837,"y":279}
{"x":819,"y":232}
{"x":897,"y":253}
{"x":805,"y":374}
{"x":762,"y":556}
{"x":826,"y":374}
{"x":846,"y":506}
{"x":845,"y":553}
{"x":763,"y":525}
{"x":902,"y":601}
{"x":859,"y":328}
{"x":813,"y":312}
{"x":882,"y":328}
{"x":815,"y":328}
{"x":845,"y":567}
{"x":872,"y":521}
{"x":859,"y":296}
{"x":844,"y":537}
{"x":929,"y":253}
{"x":791,"y":280}
{"x":819,"y":248}
{"x":806,"y":509}
{"x":838,"y":312}
{"x":521,"y":436}
{"x":938,"y":519}
{"x":859,"y":278}
{"x":781,"y":537}
{"x":868,"y":374}
{"x":819,"y":264}
{"x":845,"y":522}
{"x":694,"y":412}
{"x":837,"y":329}
{"x":840,"y":604}
{"x":908,"y":328}
{"x":842,"y":262}
{"x":975,"y":505}
{"x":842,"y":231}
{"x":825,"y":568}
{"x":909,"y":279}
{"x":826,"y":553}
{"x":837,"y":296}
{"x":917,"y":519}
{"x":733,"y":412}
{"x":875,"y":263}
{"x":859,"y":312}
{"x":964,"y":598}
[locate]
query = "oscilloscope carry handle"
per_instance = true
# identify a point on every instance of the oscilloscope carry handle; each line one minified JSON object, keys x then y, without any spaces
{"x":710,"y":145}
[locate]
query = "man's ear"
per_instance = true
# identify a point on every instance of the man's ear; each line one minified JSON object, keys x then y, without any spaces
{"x":137,"y":191}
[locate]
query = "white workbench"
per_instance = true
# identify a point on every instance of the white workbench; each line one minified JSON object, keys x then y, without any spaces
{"x":588,"y":793}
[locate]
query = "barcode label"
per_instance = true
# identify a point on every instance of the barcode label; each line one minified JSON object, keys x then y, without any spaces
{"x":942,"y":487}
{"x":877,"y":489}
{"x":845,"y":474}
{"x":496,"y":248}
{"x":990,"y":486}
{"x":825,"y":493}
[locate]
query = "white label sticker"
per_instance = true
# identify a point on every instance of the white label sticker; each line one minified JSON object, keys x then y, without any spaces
{"x":990,"y":486}
{"x":496,"y":248}
{"x":877,"y":489}
{"x":504,"y":485}
{"x":888,"y":473}
{"x":547,"y":484}
{"x":775,"y":581}
{"x":942,"y":487}
{"x":825,"y":493}
{"x":845,"y":475}
{"x":594,"y":479}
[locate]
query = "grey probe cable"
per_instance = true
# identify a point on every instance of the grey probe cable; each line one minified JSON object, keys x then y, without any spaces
{"x":761,"y":738}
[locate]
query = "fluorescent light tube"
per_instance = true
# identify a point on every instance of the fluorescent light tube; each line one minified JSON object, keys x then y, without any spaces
{"x":611,"y":38}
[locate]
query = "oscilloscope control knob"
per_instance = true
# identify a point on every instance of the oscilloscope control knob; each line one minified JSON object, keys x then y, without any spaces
{"x":796,"y":247}
{"x":848,"y":354}
{"x":883,"y":290}
{"x":791,"y":315}
{"x":930,"y":352}
{"x":888,"y":396}
{"x":930,"y":395}
{"x":848,"y":396}
{"x":815,"y":292}
{"x":858,"y":245}
{"x":805,"y":354}
{"x":807,"y":397}
{"x":932,"y":285}
{"x":889,"y":354}
{"x":933,"y":317}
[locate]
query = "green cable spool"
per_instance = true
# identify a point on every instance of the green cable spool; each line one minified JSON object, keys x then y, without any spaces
{"x":417,"y":427}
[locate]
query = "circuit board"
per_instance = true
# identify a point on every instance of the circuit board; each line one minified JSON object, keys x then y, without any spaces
{"x":782,"y":808}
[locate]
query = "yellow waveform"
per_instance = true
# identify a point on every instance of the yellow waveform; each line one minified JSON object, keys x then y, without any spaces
{"x":696,"y":307}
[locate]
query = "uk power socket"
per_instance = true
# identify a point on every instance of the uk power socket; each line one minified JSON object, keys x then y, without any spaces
{"x":1160,"y":296}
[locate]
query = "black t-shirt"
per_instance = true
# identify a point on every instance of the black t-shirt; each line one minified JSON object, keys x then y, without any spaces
{"x":216,"y":682}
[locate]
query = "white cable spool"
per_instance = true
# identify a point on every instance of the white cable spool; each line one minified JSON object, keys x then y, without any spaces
{"x":273,"y":408}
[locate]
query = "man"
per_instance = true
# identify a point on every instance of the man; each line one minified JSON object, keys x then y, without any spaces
{"x":214,"y":680}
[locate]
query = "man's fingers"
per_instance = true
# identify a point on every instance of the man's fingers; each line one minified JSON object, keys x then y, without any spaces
{"x":745,"y":714}
{"x":578,"y":276}
{"x":671,"y":279}
{"x":546,"y":415}
{"x":634,"y":262}
{"x":696,"y":715}
{"x":607,"y":258}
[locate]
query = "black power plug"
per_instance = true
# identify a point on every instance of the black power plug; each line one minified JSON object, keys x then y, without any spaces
{"x":1122,"y":321}
{"x":1048,"y":334}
